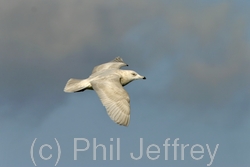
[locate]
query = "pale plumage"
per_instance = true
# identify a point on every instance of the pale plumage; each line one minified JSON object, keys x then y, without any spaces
{"x":108,"y":80}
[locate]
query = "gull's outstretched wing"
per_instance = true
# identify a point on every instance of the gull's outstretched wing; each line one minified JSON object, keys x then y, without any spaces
{"x":114,"y":64}
{"x":114,"y":98}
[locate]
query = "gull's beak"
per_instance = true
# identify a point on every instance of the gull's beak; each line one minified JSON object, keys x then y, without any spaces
{"x":141,"y":77}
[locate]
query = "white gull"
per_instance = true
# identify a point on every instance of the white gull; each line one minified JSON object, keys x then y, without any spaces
{"x":108,"y":80}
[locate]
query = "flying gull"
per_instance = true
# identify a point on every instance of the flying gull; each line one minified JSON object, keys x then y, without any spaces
{"x":108,"y":80}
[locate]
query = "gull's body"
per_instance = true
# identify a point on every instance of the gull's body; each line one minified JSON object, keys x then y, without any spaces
{"x":108,"y":81}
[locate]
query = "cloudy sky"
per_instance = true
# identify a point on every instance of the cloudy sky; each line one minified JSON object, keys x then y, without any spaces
{"x":195,"y":55}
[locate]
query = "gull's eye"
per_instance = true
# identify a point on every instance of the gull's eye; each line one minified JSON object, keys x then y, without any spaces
{"x":134,"y":74}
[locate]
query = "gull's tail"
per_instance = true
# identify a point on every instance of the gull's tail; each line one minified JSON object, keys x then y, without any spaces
{"x":76,"y":85}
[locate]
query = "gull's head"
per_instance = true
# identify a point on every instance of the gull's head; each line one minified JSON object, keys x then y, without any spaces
{"x":134,"y":75}
{"x":129,"y":75}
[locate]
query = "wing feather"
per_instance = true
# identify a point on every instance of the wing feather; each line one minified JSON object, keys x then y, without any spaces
{"x":114,"y":97}
{"x":114,"y":64}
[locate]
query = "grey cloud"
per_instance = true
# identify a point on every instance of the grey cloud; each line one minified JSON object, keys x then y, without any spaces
{"x":209,"y":52}
{"x":197,"y":50}
{"x":43,"y":43}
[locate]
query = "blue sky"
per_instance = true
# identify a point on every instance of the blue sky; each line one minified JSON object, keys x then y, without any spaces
{"x":195,"y":55}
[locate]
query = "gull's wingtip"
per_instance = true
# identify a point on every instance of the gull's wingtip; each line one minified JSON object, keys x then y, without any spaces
{"x":118,"y":59}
